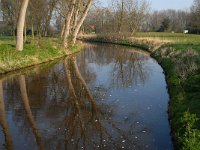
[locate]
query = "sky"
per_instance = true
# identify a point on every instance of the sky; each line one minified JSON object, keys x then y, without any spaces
{"x":170,"y":4}
{"x":164,"y":4}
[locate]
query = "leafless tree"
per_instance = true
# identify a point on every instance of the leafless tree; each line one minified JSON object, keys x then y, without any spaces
{"x":74,"y":13}
{"x":122,"y":16}
{"x":195,"y":17}
{"x":10,"y":10}
{"x":178,"y":20}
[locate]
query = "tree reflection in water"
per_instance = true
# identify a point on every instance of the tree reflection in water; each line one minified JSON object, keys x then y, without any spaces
{"x":25,"y":101}
{"x":68,"y":114}
{"x":90,"y":125}
{"x":3,"y":121}
{"x":128,"y":65}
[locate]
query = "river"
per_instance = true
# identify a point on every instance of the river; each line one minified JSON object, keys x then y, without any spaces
{"x":106,"y":97}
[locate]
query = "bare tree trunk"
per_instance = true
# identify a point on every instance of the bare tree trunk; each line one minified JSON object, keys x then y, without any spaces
{"x":20,"y":25}
{"x":25,"y":32}
{"x":121,"y":17}
{"x":25,"y":100}
{"x":39,"y":34}
{"x":32,"y":29}
{"x":68,"y":23}
{"x":76,"y":16}
{"x":13,"y":33}
{"x":62,"y":31}
{"x":3,"y":121}
{"x":79,"y":24}
{"x":49,"y":16}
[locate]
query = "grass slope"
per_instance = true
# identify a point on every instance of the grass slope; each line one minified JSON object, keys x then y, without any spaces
{"x":35,"y":52}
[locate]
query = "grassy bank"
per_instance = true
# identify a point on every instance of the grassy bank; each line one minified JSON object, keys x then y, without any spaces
{"x":179,"y":54}
{"x":35,"y":52}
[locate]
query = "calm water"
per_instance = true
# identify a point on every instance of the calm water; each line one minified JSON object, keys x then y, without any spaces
{"x":106,"y":97}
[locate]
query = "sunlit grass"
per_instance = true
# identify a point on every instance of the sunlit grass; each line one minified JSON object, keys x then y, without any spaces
{"x":180,"y":41}
{"x":35,"y":52}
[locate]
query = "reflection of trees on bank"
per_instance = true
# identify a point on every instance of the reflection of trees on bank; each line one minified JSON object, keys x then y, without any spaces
{"x":88,"y":124}
{"x":82,"y":115}
{"x":128,"y":65}
{"x":3,"y":121}
{"x":67,"y":113}
{"x":25,"y":100}
{"x":129,"y":70}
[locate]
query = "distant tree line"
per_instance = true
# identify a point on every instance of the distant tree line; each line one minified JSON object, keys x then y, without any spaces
{"x":120,"y":16}
{"x":176,"y":20}
{"x":167,"y":21}
{"x":132,"y":16}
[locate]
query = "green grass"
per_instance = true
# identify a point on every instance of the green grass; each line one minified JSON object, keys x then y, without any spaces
{"x":184,"y":112}
{"x":180,"y":41}
{"x":180,"y":59}
{"x":35,"y":52}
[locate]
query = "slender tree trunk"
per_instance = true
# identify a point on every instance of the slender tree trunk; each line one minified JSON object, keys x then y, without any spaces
{"x":68,"y":23}
{"x":79,"y":24}
{"x":49,"y":16}
{"x":13,"y":33}
{"x":3,"y":121}
{"x":121,"y":17}
{"x":39,"y":34}
{"x":62,"y":31}
{"x":20,"y":25}
{"x":32,"y":29}
{"x":25,"y":37}
{"x":76,"y":16}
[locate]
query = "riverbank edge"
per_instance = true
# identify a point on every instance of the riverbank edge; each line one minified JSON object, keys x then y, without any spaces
{"x":181,"y":121}
{"x":62,"y":54}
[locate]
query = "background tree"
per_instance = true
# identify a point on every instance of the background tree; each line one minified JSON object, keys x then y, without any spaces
{"x":40,"y":13}
{"x":177,"y":20}
{"x":121,"y":16}
{"x":74,"y":13}
{"x":164,"y":25}
{"x":194,"y":24}
{"x":9,"y":10}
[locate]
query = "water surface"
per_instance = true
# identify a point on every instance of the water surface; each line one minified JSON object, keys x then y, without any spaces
{"x":106,"y":97}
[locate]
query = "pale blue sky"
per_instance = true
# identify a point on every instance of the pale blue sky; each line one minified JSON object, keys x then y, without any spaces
{"x":165,"y":4}
{"x":170,"y":4}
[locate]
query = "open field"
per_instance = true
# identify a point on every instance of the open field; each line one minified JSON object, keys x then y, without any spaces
{"x":178,"y":40}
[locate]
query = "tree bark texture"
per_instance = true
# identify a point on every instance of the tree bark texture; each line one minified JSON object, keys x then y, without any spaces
{"x":20,"y":25}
